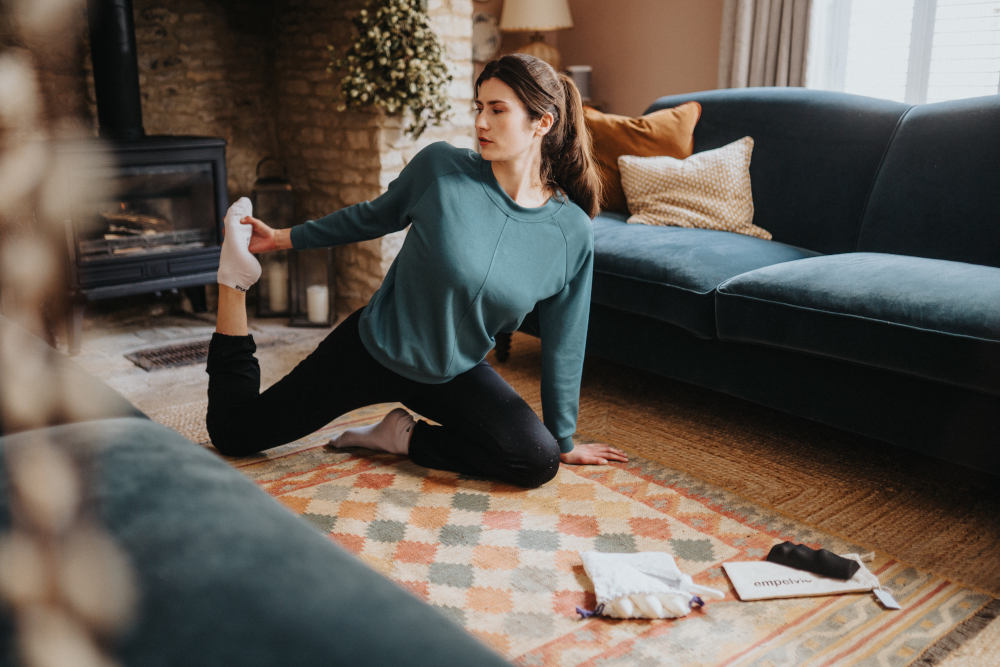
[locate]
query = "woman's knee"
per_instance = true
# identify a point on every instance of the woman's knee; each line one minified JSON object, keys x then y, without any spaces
{"x":541,"y":474}
{"x":228,"y":440}
{"x":232,"y":447}
{"x":538,"y":465}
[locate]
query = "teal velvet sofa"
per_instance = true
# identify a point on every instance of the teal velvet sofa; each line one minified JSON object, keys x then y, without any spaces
{"x":226,"y":575}
{"x":876,"y":306}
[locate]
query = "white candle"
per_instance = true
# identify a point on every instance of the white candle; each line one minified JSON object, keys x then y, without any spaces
{"x":277,"y":287}
{"x":317,"y":303}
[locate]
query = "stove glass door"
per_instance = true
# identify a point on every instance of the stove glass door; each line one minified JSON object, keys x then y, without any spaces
{"x":155,"y":208}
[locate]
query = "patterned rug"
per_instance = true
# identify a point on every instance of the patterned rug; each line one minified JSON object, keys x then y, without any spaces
{"x":504,"y":562}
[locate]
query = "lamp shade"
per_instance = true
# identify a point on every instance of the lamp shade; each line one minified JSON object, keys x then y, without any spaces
{"x":535,"y":15}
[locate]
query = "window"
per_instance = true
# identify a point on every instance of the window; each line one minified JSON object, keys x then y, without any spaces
{"x":908,"y":50}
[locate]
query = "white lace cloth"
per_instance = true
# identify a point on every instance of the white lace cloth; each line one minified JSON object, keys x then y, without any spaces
{"x":642,"y":585}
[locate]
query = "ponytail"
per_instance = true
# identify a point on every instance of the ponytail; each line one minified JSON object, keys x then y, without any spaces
{"x":571,"y":165}
{"x":567,"y":161}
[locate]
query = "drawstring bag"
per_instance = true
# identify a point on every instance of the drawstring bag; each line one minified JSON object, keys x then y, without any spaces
{"x":641,"y":585}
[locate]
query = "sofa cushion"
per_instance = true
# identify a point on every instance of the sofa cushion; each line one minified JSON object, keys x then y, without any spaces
{"x":931,"y":318}
{"x":227,"y":575}
{"x":665,"y":132}
{"x":670,"y":273}
{"x":938,"y":191}
{"x":814,"y":159}
{"x":708,"y":190}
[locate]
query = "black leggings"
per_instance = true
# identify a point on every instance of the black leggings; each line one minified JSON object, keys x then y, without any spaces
{"x":486,"y":429}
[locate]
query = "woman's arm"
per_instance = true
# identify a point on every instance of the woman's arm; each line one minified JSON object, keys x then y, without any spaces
{"x":387,"y":213}
{"x":359,"y":222}
{"x":562,"y":320}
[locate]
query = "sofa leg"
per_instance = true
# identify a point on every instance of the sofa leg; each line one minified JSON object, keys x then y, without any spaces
{"x":502,"y":348}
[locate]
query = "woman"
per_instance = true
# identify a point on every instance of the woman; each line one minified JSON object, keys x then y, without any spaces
{"x":491,"y":236}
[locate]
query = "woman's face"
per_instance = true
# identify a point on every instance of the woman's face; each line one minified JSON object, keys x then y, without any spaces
{"x":504,"y":129}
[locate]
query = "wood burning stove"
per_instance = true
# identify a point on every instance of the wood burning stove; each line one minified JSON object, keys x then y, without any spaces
{"x":162,"y":228}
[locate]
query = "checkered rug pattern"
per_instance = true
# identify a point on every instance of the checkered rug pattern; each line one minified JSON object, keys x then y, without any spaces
{"x":505,"y":562}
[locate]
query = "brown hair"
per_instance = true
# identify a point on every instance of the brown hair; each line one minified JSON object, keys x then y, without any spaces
{"x":567,"y":163}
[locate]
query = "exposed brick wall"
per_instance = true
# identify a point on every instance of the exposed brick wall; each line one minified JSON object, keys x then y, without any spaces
{"x":255,"y":74}
{"x":452,"y":21}
{"x":205,"y":68}
{"x":338,"y":159}
{"x":56,"y":58}
{"x":331,"y":155}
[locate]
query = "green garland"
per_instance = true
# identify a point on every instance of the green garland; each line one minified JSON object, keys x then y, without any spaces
{"x":395,"y":64}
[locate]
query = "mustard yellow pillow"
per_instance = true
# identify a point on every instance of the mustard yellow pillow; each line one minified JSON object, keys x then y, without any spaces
{"x":664,"y":132}
{"x":709,"y":190}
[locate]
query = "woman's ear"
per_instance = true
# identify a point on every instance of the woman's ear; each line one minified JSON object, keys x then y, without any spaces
{"x":544,"y":124}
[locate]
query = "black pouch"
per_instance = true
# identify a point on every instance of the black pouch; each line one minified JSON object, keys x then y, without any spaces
{"x":819,"y":561}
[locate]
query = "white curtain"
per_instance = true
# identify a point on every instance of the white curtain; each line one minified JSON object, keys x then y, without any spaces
{"x":764,"y":43}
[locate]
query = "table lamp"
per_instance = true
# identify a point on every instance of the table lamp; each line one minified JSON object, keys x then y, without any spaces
{"x":536,"y":16}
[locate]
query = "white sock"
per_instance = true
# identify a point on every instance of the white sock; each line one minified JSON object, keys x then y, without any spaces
{"x":238,"y":268}
{"x":392,"y":434}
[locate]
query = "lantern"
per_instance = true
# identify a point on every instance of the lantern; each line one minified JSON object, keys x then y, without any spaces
{"x":274,"y":203}
{"x":311,"y":290}
{"x":294,"y":283}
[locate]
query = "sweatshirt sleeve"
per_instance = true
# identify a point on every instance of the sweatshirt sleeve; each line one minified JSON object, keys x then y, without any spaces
{"x":383,"y":215}
{"x":563,"y":320}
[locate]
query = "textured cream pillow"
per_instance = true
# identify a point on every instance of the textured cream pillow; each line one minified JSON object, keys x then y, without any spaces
{"x":710,"y":190}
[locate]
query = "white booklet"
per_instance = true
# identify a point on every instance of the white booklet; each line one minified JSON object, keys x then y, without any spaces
{"x":764,"y":580}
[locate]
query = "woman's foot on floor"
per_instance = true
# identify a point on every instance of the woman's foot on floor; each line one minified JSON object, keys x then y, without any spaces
{"x":392,"y":434}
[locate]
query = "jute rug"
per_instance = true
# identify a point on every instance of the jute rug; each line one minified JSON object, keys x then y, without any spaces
{"x":504,"y":562}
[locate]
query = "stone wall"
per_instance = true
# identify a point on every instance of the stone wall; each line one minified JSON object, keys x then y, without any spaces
{"x":452,"y":21}
{"x":205,"y":68}
{"x":338,"y":159}
{"x":254,"y":73}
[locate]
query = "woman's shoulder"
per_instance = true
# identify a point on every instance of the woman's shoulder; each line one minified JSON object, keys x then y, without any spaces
{"x":441,"y":156}
{"x":576,"y":224}
{"x":435,"y":161}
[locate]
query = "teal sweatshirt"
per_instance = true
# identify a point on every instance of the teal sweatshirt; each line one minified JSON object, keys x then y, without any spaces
{"x":473,"y":264}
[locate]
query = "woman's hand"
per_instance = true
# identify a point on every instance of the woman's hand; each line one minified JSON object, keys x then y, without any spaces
{"x":593,"y":453}
{"x":266,"y":238}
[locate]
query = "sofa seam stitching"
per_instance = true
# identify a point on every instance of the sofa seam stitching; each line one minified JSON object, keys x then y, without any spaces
{"x":657,"y":282}
{"x":848,"y":316}
{"x":878,"y":172}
